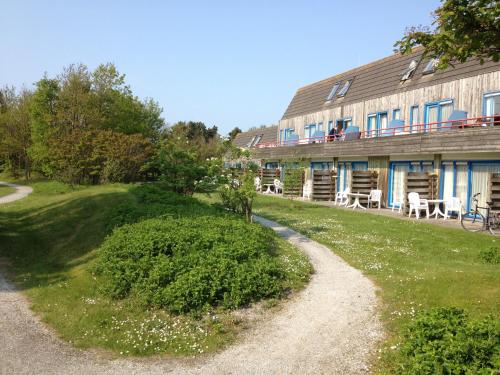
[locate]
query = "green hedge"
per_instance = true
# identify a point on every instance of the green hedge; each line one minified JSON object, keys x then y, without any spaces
{"x":447,"y":341}
{"x":191,"y":263}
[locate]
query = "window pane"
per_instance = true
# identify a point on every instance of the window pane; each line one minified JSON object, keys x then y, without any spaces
{"x":480,"y":180}
{"x":398,"y":181}
{"x":448,"y":179}
{"x":446,"y":110}
{"x":432,"y":116}
{"x":461,"y":184}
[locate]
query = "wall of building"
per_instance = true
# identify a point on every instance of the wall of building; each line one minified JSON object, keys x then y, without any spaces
{"x":466,"y":93}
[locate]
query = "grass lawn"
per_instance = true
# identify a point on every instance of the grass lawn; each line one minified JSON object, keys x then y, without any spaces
{"x":416,"y":265}
{"x":49,"y":240}
{"x":6,"y":190}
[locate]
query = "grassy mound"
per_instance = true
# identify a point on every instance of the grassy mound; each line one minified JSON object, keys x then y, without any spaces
{"x":189,"y":264}
{"x":52,"y":238}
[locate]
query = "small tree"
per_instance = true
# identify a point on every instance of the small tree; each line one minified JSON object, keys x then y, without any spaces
{"x":238,"y":194}
{"x":462,"y":29}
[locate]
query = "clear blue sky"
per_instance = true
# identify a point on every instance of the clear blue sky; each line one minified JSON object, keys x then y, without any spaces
{"x":227,"y":63}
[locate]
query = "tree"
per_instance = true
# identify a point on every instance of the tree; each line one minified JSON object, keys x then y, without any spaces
{"x":238,"y":193}
{"x":233,"y":133}
{"x":15,"y":132}
{"x":461,"y":29}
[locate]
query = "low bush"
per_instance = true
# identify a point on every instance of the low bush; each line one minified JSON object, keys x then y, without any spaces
{"x":447,"y":341}
{"x":490,"y":256}
{"x":188,"y":264}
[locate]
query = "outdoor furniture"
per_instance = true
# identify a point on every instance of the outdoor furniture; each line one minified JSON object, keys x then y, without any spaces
{"x":308,"y":189}
{"x":452,"y":204}
{"x":375,"y":197}
{"x":417,"y":204}
{"x":454,"y":120}
{"x":278,"y":186}
{"x":342,"y":197}
{"x":256,"y":183}
{"x":398,"y":205}
{"x":437,"y":211}
{"x":318,"y":136}
{"x":395,"y":127}
{"x":356,"y":200}
{"x":352,"y":133}
{"x":292,"y":140}
{"x":268,"y":191}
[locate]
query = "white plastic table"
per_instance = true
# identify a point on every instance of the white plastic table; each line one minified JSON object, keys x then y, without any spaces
{"x":268,"y":191}
{"x":356,"y":200}
{"x":437,"y":211}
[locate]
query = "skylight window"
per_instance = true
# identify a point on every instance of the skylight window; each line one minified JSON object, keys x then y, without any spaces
{"x":257,"y":140}
{"x":345,"y":88}
{"x":431,"y":66}
{"x":250,"y":144}
{"x":410,"y":70}
{"x":334,"y":91}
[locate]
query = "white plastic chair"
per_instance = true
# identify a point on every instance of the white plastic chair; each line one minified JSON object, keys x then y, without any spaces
{"x":417,"y":204}
{"x":375,"y":197}
{"x":257,"y":184}
{"x":342,"y":197}
{"x":452,"y":204}
{"x":307,"y":189}
{"x":278,"y":186}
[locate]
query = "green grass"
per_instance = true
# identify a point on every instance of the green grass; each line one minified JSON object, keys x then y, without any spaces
{"x":6,"y":190}
{"x":50,"y":240}
{"x":416,"y":265}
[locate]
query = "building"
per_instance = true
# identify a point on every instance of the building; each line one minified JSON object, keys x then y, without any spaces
{"x":394,"y":116}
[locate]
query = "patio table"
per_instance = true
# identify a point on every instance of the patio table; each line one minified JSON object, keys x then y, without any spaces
{"x":268,"y":191}
{"x":356,"y":200}
{"x":437,"y":211}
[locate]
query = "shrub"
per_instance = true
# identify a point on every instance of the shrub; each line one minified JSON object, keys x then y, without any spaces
{"x":446,"y":341}
{"x":191,"y":263}
{"x":490,"y":256}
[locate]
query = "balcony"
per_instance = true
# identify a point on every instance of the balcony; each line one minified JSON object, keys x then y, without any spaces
{"x":452,"y":136}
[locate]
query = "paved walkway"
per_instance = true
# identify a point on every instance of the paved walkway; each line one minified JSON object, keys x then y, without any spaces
{"x":20,"y":193}
{"x":331,"y":327}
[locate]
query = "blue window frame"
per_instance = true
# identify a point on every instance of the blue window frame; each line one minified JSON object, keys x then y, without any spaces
{"x":396,"y":114}
{"x":437,"y":112}
{"x":287,"y":133}
{"x":343,"y":123}
{"x":321,"y":165}
{"x":376,"y":123}
{"x":330,"y":125}
{"x":491,"y":107}
{"x":342,"y":168}
{"x":396,"y":173}
{"x":413,"y":117}
{"x":309,"y":130}
{"x":271,"y":165}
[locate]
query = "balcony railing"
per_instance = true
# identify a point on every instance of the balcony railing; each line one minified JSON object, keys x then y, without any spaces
{"x":431,"y":127}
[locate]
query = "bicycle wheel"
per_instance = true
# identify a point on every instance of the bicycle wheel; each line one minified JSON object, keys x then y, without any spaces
{"x":494,"y":226}
{"x":473,"y":222}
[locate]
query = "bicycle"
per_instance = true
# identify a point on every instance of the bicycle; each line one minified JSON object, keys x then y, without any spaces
{"x":475,"y":221}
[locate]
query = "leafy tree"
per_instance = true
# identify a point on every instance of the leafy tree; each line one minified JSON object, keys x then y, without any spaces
{"x":43,"y":122}
{"x":461,"y":29}
{"x":15,"y":132}
{"x":233,"y":133}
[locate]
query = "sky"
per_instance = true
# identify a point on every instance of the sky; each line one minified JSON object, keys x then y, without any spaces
{"x":226,"y":63}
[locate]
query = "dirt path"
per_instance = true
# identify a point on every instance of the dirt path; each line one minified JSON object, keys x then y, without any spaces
{"x":331,"y":327}
{"x":20,"y":193}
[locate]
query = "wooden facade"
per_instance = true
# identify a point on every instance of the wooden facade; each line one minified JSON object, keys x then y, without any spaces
{"x":458,"y":159}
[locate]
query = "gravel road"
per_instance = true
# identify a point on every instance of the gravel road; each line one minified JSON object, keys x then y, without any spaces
{"x":331,"y":327}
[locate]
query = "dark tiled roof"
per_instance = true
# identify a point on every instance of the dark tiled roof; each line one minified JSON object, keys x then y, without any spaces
{"x":379,"y":78}
{"x":269,"y":134}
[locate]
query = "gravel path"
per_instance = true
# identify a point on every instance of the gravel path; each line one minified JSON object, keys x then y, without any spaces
{"x":21,"y":192}
{"x":331,"y":327}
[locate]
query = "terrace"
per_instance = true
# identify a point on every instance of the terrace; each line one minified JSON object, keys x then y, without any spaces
{"x":477,"y":134}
